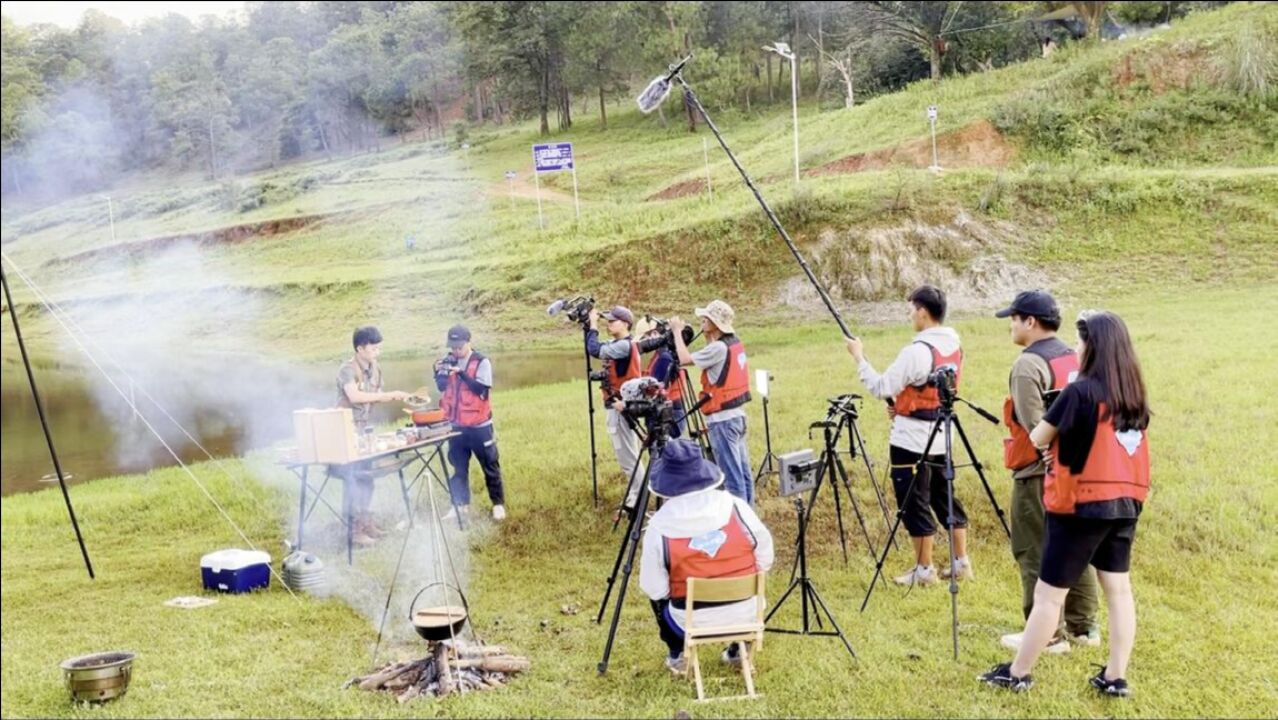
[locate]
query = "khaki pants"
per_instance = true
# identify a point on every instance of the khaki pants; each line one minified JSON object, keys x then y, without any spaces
{"x":1029,"y":519}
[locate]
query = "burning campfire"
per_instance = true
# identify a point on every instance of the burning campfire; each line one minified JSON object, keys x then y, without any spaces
{"x":451,"y":667}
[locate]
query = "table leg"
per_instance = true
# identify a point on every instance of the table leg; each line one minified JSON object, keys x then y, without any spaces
{"x":301,"y":510}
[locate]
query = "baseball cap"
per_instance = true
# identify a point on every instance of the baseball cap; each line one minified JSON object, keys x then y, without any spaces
{"x":620,"y":313}
{"x":1038,"y":303}
{"x":458,"y":335}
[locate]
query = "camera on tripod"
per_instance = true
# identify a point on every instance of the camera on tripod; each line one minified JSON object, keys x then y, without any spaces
{"x":646,"y":401}
{"x":662,"y":327}
{"x":576,"y":309}
{"x":844,"y":405}
{"x":944,"y":379}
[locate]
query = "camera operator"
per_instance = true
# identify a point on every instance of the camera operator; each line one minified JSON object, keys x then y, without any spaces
{"x":1046,"y":366}
{"x":359,"y":386}
{"x":702,"y":532}
{"x":915,"y":401}
{"x":621,"y":362}
{"x":663,"y":367}
{"x":1094,"y":491}
{"x":726,"y":379}
{"x":466,"y":379}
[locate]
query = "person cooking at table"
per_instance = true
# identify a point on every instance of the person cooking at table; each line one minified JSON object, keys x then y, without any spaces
{"x":359,"y":387}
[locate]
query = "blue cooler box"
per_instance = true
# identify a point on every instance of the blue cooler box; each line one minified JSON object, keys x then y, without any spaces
{"x":236,"y":571}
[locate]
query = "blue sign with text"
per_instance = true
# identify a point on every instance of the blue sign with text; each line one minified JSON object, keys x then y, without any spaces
{"x":552,"y":157}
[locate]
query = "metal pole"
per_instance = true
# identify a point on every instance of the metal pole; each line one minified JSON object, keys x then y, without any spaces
{"x":794,"y":106}
{"x":44,"y":423}
{"x":541,"y":223}
{"x":705,"y":150}
{"x":576,"y":201}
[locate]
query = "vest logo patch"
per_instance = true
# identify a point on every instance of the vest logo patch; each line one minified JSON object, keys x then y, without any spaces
{"x":709,"y":543}
{"x":1130,"y":440}
{"x":1073,"y":375}
{"x":741,"y":360}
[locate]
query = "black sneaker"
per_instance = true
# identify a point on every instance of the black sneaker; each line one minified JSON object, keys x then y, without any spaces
{"x":1001,"y":676}
{"x":1112,"y":688}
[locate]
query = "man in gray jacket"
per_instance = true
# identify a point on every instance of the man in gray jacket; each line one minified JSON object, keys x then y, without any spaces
{"x":914,"y":409}
{"x":1043,"y":369}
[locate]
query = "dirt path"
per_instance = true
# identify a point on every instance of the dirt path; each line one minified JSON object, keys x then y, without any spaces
{"x":523,"y":188}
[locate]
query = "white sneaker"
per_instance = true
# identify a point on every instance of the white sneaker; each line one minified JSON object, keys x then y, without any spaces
{"x":1055,"y":646}
{"x":1091,"y":638}
{"x":923,"y":576}
{"x":499,"y":512}
{"x":964,"y":566}
{"x":452,"y":512}
{"x":677,"y":665}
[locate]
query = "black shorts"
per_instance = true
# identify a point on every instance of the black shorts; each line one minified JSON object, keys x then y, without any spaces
{"x":1075,"y":542}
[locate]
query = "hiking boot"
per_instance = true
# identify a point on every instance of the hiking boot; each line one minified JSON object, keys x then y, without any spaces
{"x":499,"y":512}
{"x":1110,"y":688}
{"x":1091,"y":638}
{"x":964,"y":566}
{"x":1058,"y":645}
{"x":920,"y":575}
{"x":676,"y":665}
{"x":1001,"y":676}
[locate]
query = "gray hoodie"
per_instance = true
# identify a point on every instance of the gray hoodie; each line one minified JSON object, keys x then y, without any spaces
{"x":911,"y":367}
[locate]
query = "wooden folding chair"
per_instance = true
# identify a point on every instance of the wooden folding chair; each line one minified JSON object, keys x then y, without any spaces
{"x":749,"y":635}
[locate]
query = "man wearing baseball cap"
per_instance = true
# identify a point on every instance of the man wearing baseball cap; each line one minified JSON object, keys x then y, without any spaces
{"x":1040,"y":372}
{"x":700,"y":531}
{"x":466,"y":379}
{"x":725,"y":378}
{"x":621,"y":362}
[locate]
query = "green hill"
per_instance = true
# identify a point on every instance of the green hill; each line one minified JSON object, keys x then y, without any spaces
{"x":1146,"y":160}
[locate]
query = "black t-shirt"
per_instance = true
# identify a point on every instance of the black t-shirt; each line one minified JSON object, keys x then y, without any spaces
{"x":1075,"y":414}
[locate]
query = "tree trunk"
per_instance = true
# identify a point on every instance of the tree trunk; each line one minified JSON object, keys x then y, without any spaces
{"x":212,"y":151}
{"x":934,"y":56}
{"x":603,"y":109}
{"x":479,"y":106}
{"x":771,"y":98}
{"x":543,"y":99}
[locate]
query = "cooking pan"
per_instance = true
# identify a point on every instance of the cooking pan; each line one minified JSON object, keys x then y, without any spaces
{"x":440,"y":622}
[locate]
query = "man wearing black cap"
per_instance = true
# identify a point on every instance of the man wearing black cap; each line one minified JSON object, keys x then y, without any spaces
{"x":620,"y":363}
{"x":1041,"y":371}
{"x":703,"y":532}
{"x":466,"y":379}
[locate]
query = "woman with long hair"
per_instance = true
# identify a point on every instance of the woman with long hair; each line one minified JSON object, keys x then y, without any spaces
{"x":1094,"y":437}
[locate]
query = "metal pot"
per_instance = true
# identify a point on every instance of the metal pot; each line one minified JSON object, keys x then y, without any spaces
{"x":440,"y":622}
{"x":98,"y":677}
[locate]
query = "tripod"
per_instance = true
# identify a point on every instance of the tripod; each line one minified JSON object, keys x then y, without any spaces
{"x":830,"y":463}
{"x":947,"y":423}
{"x":768,"y":466}
{"x":626,"y":552}
{"x":694,"y":421}
{"x":590,"y":403}
{"x":807,"y":591}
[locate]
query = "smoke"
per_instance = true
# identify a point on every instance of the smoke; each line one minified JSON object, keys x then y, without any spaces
{"x":71,"y":144}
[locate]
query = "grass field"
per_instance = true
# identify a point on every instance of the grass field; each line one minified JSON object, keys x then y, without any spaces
{"x":1203,"y":587}
{"x":1125,"y":188}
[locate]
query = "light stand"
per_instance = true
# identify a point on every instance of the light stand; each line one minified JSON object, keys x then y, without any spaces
{"x":807,"y":591}
{"x":769,"y":465}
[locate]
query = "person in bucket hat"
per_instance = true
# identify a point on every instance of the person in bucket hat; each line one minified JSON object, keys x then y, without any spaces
{"x":725,"y":379}
{"x":700,"y":531}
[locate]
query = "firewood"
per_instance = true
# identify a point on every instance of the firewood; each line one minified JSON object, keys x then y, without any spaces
{"x":496,"y":663}
{"x":377,"y":679}
{"x":408,"y":694}
{"x":479,"y":651}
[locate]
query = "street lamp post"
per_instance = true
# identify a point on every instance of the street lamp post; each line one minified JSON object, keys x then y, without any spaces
{"x":110,"y":215}
{"x":783,"y":49}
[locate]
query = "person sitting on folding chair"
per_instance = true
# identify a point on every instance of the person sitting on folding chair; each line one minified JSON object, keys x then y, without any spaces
{"x":702,"y":532}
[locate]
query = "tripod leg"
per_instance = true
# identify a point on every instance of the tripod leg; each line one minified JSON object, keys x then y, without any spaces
{"x":856,"y":506}
{"x":949,"y":525}
{"x":838,"y":503}
{"x":631,"y":546}
{"x":869,"y":468}
{"x":833,"y":623}
{"x":621,"y":551}
{"x":590,"y":403}
{"x":980,"y":472}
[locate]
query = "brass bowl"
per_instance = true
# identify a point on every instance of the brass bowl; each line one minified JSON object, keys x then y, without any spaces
{"x":98,"y":677}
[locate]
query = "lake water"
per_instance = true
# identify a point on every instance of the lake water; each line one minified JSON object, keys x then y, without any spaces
{"x":97,"y":435}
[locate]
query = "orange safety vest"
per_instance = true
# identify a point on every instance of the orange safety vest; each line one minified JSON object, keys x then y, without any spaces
{"x":724,"y":553}
{"x":1062,"y":368}
{"x":462,"y":405}
{"x":611,"y":387}
{"x":1117,"y":467}
{"x":732,"y":388}
{"x":674,"y":390}
{"x":922,"y":401}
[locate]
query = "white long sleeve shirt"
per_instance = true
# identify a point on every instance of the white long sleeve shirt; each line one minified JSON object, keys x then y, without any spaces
{"x":688,"y":516}
{"x":911,"y":367}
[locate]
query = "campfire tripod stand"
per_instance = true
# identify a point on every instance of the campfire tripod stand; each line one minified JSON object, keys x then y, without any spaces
{"x":830,"y":463}
{"x":44,"y":423}
{"x":948,"y":422}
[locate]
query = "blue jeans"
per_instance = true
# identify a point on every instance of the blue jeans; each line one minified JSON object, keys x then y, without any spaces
{"x":727,"y":439}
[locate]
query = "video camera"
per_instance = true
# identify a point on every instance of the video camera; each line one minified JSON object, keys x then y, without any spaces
{"x":645,"y":400}
{"x":662,"y":327}
{"x":577,"y":308}
{"x":447,"y":362}
{"x":945,"y":380}
{"x":844,"y":405}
